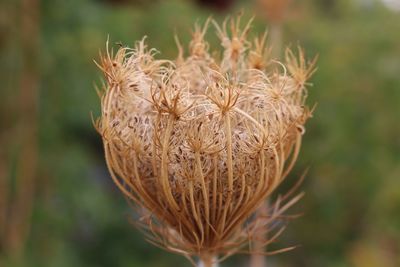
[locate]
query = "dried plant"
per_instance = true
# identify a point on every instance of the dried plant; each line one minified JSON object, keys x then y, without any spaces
{"x":199,"y":143}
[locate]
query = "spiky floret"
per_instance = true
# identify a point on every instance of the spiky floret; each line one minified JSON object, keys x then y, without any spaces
{"x":200,"y":142}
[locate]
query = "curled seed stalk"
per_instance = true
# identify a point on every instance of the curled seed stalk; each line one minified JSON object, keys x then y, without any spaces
{"x":164,"y":167}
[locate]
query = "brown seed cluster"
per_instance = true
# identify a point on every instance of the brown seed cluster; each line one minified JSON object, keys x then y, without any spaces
{"x":200,"y":142}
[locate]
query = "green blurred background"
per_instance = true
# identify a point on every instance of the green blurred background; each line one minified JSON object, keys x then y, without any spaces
{"x":59,"y":207}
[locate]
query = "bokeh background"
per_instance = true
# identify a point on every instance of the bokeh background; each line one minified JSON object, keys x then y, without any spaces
{"x":58,"y":206}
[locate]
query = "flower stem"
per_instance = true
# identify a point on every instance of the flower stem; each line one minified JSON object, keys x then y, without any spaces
{"x":208,"y":260}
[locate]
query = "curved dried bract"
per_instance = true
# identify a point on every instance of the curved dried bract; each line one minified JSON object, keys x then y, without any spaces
{"x":200,"y":142}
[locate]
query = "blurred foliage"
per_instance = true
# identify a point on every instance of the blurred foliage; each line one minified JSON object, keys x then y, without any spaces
{"x":352,"y":146}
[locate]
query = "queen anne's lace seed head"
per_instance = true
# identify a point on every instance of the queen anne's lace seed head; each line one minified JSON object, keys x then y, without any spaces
{"x":201,"y":142}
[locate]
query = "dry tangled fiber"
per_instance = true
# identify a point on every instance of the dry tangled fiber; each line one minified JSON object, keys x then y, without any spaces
{"x":200,"y":142}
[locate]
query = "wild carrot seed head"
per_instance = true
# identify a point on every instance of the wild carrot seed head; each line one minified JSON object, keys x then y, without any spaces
{"x":200,"y":143}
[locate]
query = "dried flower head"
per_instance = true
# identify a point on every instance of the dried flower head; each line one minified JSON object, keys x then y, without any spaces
{"x":200,"y":142}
